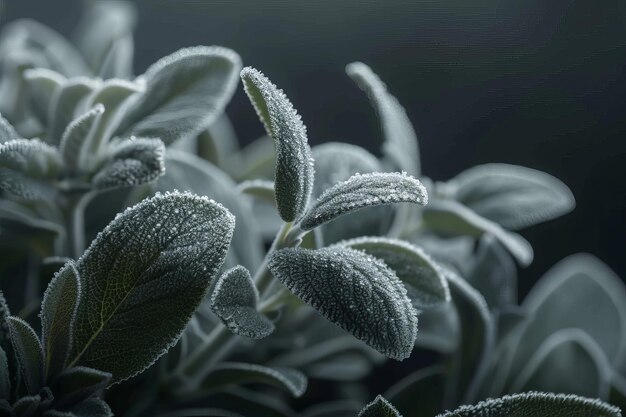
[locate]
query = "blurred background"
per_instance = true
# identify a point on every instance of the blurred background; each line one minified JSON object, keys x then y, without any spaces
{"x":530,"y":82}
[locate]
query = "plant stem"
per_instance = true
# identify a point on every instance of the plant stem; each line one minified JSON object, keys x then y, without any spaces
{"x":75,"y":223}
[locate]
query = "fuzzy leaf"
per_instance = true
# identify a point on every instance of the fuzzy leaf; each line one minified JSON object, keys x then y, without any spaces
{"x":510,"y":195}
{"x":234,"y":301}
{"x":65,"y":105}
{"x":28,"y":167}
{"x":293,"y":180}
{"x":58,"y":310}
{"x":77,"y":135}
{"x":361,"y":191}
{"x":400,"y":142}
{"x":425,"y":283}
{"x":75,"y":385}
{"x":152,"y":264}
{"x":425,"y":387}
{"x":42,"y":84}
{"x":380,"y":407}
{"x":357,"y":292}
{"x":29,"y":354}
{"x":7,"y":132}
{"x":92,"y":407}
{"x":184,"y":93}
{"x":5,"y":376}
{"x":537,"y":404}
{"x":261,"y":189}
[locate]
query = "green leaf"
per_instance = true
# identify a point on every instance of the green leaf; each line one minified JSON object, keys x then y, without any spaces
{"x":5,"y":376}
{"x":294,"y":176}
{"x":420,"y":393}
{"x":75,"y":385}
{"x":58,"y":311}
{"x":255,"y":160}
{"x":364,"y":190}
{"x":510,"y":195}
{"x":42,"y":85}
{"x":234,"y":301}
{"x":132,"y":162}
{"x":380,"y":407}
{"x":440,"y":329}
{"x":92,"y":407}
{"x":29,"y":354}
{"x":537,"y":404}
{"x":7,"y":132}
{"x":154,"y":261}
{"x":261,"y":189}
{"x":228,"y":373}
{"x":77,"y":135}
{"x":28,"y":167}
{"x":425,"y":283}
{"x":354,"y":290}
{"x":65,"y":105}
{"x":450,"y":217}
{"x":400,"y":142}
{"x":184,"y":93}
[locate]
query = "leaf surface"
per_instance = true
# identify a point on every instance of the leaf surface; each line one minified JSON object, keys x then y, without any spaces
{"x":380,"y":407}
{"x":28,"y":352}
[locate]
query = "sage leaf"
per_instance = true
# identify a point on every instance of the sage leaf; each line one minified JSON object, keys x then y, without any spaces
{"x":400,"y":142}
{"x":261,"y":189}
{"x":450,"y":217}
{"x":425,"y":388}
{"x":160,"y":256}
{"x":293,"y":180}
{"x":234,"y":301}
{"x":5,"y":375}
{"x":364,"y":190}
{"x":7,"y":132}
{"x":92,"y":407}
{"x":58,"y":310}
{"x":77,"y":135}
{"x":440,"y":329}
{"x":28,"y":352}
{"x":537,"y":404}
{"x":76,"y":384}
{"x":184,"y":93}
{"x":28,"y":168}
{"x":354,"y":290}
{"x":380,"y":407}
{"x":42,"y":84}
{"x":257,"y":160}
{"x":510,"y":195}
{"x":65,"y":105}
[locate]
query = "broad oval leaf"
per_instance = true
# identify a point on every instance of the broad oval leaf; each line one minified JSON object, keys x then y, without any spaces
{"x":510,"y":195}
{"x":364,"y":190}
{"x":380,"y":407}
{"x":537,"y":404}
{"x":294,"y":175}
{"x":234,"y":301}
{"x":152,"y":264}
{"x":28,"y":352}
{"x":354,"y":290}
{"x":424,"y":280}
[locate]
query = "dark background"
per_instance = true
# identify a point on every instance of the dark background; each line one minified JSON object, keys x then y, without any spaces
{"x":531,"y":82}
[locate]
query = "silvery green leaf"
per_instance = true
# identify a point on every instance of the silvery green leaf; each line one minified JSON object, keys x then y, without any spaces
{"x":183,"y":240}
{"x":364,"y":190}
{"x":184,"y":93}
{"x":400,"y":142}
{"x":357,"y":292}
{"x":5,"y":376}
{"x":256,"y":160}
{"x":119,"y":59}
{"x":76,"y":384}
{"x":420,"y":393}
{"x":424,"y":280}
{"x":131,"y":162}
{"x":537,"y":404}
{"x":234,"y":301}
{"x":261,"y":189}
{"x":92,"y":407}
{"x":510,"y":195}
{"x":293,"y":179}
{"x":42,"y":84}
{"x":228,"y":373}
{"x":440,"y":329}
{"x":28,"y":352}
{"x":380,"y":407}
{"x":28,"y":168}
{"x":64,"y":105}
{"x":218,"y":142}
{"x":567,"y":361}
{"x":346,"y":367}
{"x":7,"y":132}
{"x":58,"y":309}
{"x":77,"y":135}
{"x":452,"y":218}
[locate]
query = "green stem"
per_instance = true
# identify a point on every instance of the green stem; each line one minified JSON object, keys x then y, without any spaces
{"x":75,"y":223}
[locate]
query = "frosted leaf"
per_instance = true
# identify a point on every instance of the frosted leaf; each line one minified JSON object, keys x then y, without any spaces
{"x":28,"y":352}
{"x":152,"y":264}
{"x":77,"y":384}
{"x":537,"y":404}
{"x":5,"y":376}
{"x":234,"y":301}
{"x":450,"y":217}
{"x":293,"y":179}
{"x":77,"y":136}
{"x":356,"y":291}
{"x":261,"y":189}
{"x":64,"y":105}
{"x":424,"y":280}
{"x":380,"y":407}
{"x":510,"y":195}
{"x":400,"y":142}
{"x":229,"y":373}
{"x":184,"y":93}
{"x":28,"y":168}
{"x":364,"y":190}
{"x":7,"y":132}
{"x":58,"y":311}
{"x":42,"y":84}
{"x":132,"y":162}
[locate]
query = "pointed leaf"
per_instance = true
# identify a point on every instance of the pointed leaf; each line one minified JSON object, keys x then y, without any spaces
{"x":75,"y":385}
{"x":77,"y":134}
{"x":234,"y":301}
{"x":357,"y":292}
{"x":7,"y":132}
{"x":154,"y":261}
{"x":380,"y":407}
{"x":29,"y":354}
{"x":293,"y":179}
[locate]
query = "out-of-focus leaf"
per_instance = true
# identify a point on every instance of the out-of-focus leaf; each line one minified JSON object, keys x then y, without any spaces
{"x":257,"y":160}
{"x":79,"y":383}
{"x":249,"y":402}
{"x":439,"y":329}
{"x":218,"y":142}
{"x":29,"y":354}
{"x":380,"y":407}
{"x":5,"y":376}
{"x":333,"y":409}
{"x":420,"y":393}
{"x":261,"y":189}
{"x":7,"y":132}
{"x":42,"y":84}
{"x":65,"y":105}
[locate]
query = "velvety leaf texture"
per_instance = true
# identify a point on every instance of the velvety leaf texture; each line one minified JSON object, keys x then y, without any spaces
{"x":294,"y":164}
{"x":7,"y":132}
{"x":64,"y":104}
{"x":234,"y":301}
{"x":5,"y":376}
{"x":29,"y":353}
{"x":364,"y":190}
{"x":537,"y":404}
{"x":142,"y":279}
{"x":354,"y":290}
{"x":77,"y":134}
{"x":380,"y":407}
